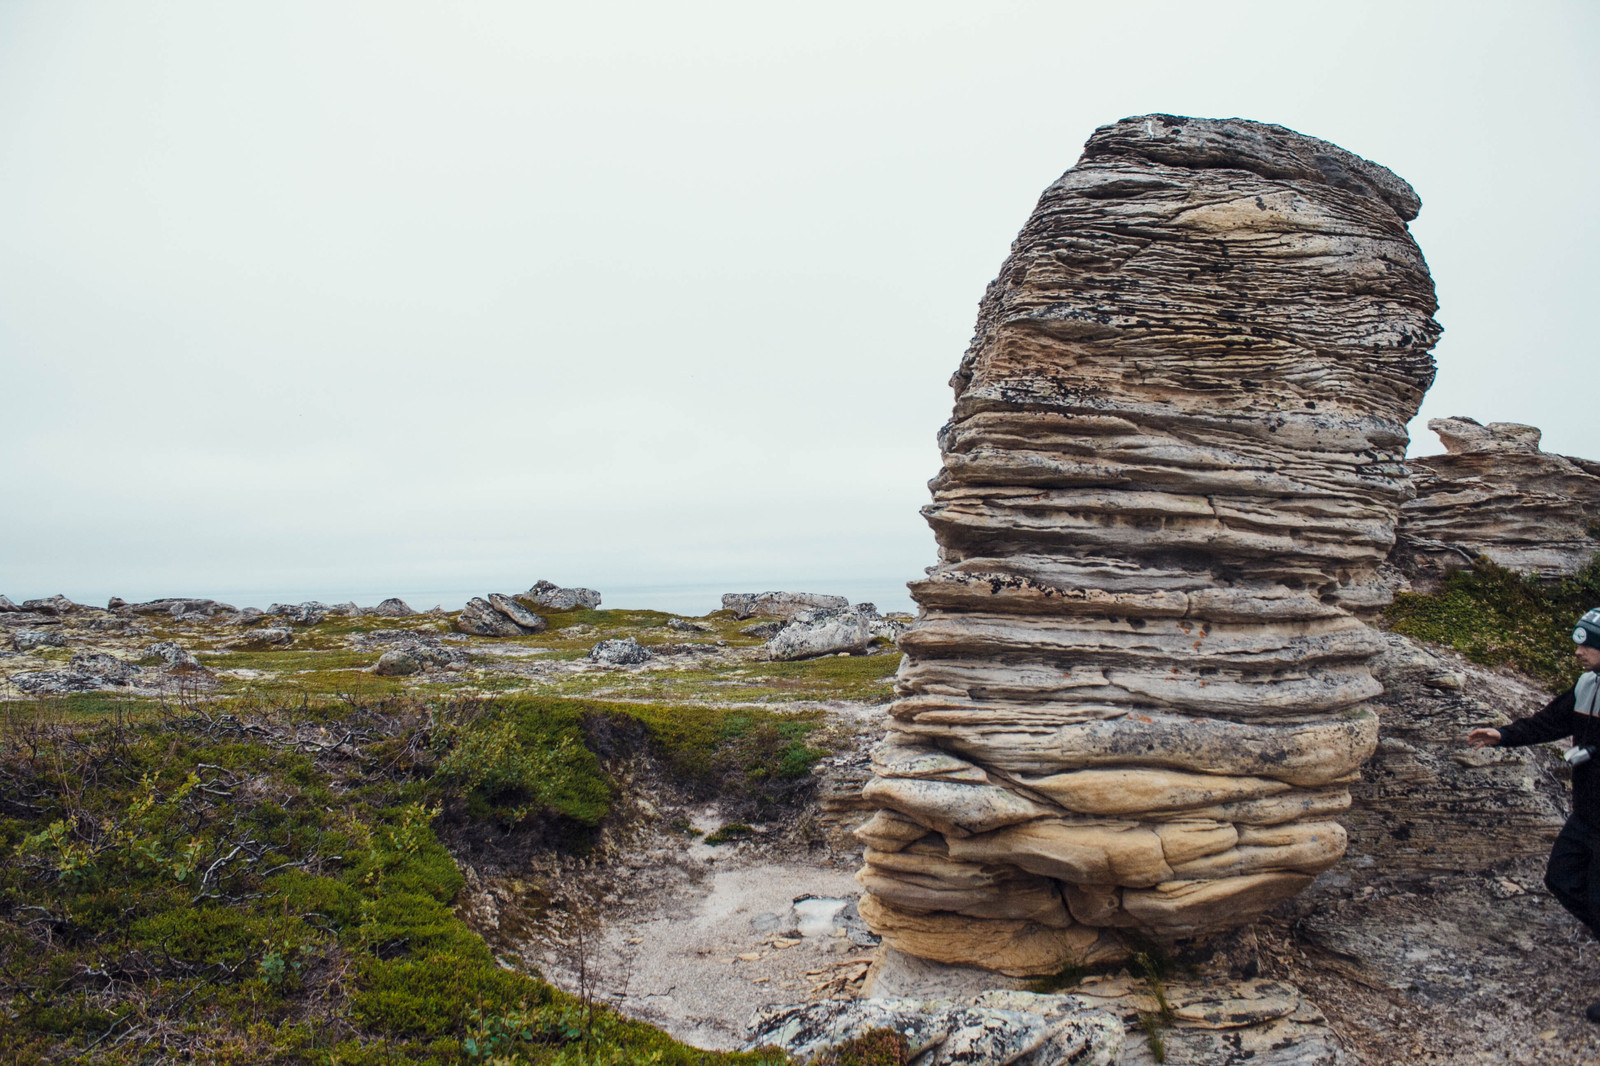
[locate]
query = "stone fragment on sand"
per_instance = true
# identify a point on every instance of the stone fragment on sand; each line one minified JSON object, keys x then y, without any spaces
{"x":1171,"y":477}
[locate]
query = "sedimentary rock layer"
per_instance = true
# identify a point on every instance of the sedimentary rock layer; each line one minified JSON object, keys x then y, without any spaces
{"x":1495,"y":494}
{"x":1136,"y":692}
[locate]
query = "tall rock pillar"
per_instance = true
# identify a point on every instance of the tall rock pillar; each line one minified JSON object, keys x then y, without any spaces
{"x":1136,"y":692}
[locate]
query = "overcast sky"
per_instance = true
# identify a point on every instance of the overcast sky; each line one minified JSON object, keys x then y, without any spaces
{"x":331,"y":299}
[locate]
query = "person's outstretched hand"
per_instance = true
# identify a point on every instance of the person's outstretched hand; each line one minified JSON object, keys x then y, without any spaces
{"x":1484,"y":738}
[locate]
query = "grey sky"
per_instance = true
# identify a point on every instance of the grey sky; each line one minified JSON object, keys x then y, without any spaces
{"x":332,"y":299}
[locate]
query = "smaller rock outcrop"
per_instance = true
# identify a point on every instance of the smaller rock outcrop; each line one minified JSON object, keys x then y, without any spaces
{"x":6,"y":606}
{"x":269,"y":638}
{"x":1494,"y":493}
{"x":51,"y":605}
{"x":393,"y":607}
{"x":397,"y":663}
{"x":176,"y":659}
{"x":825,"y":632}
{"x":625,"y":652}
{"x":1020,"y":1028}
{"x":530,"y":622}
{"x":486,"y":618}
{"x":553,"y":597}
{"x":779,"y":604}
{"x":177,"y":606}
{"x":309,"y":613}
{"x":30,"y":639}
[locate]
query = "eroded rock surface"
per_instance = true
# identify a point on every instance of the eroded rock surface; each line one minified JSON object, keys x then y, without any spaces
{"x":1019,"y":1028}
{"x":1494,"y":493}
{"x":1137,"y":692}
{"x":779,"y":604}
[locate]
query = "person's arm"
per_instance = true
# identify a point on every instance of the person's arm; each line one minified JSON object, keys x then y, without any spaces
{"x":1552,"y":723}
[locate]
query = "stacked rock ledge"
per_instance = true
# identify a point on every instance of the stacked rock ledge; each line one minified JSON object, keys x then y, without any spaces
{"x":1136,"y":693}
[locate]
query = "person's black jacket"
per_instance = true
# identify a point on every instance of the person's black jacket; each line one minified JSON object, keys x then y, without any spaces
{"x":1558,"y":720}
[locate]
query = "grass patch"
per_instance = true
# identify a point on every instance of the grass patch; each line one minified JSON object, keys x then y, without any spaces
{"x":1500,"y":618}
{"x":210,"y":887}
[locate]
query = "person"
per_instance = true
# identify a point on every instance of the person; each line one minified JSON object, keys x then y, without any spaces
{"x":1573,"y":873}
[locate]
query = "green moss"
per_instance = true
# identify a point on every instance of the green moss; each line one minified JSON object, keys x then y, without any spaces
{"x":262,"y":905}
{"x":731,"y":831}
{"x":1499,"y":618}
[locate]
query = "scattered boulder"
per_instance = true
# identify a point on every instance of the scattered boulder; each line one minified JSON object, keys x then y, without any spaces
{"x":397,"y":663}
{"x":268,"y":638}
{"x":53,"y":605}
{"x":1020,"y":1028}
{"x":183,"y":608}
{"x":555,"y":598}
{"x":176,"y":659}
{"x":779,"y":604}
{"x":480,"y":618}
{"x":29,"y":639}
{"x":424,"y":648}
{"x":115,"y":671}
{"x":301,"y":614}
{"x":827,"y":632}
{"x":624,"y":652}
{"x":58,"y":682}
{"x":683,"y":625}
{"x":87,"y":672}
{"x":393,"y":607}
{"x":764,"y":630}
{"x":530,"y":622}
{"x":247,"y":616}
{"x":1494,"y":493}
{"x":682,"y":649}
{"x":1171,"y":477}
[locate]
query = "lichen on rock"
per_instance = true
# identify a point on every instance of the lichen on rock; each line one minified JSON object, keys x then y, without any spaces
{"x":1139,"y":679}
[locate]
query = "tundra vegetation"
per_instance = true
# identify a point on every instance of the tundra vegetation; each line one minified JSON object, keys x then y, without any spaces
{"x":264,"y":873}
{"x":1500,"y":618}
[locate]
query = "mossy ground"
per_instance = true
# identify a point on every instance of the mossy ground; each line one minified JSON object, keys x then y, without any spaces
{"x":323,"y":662}
{"x":1499,"y":618}
{"x":235,"y":884}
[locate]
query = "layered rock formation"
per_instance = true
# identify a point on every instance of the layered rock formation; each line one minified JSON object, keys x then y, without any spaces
{"x":1494,"y":493}
{"x":1135,"y":695}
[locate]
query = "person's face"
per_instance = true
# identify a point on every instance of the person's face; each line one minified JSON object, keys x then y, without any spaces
{"x":1588,"y":656}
